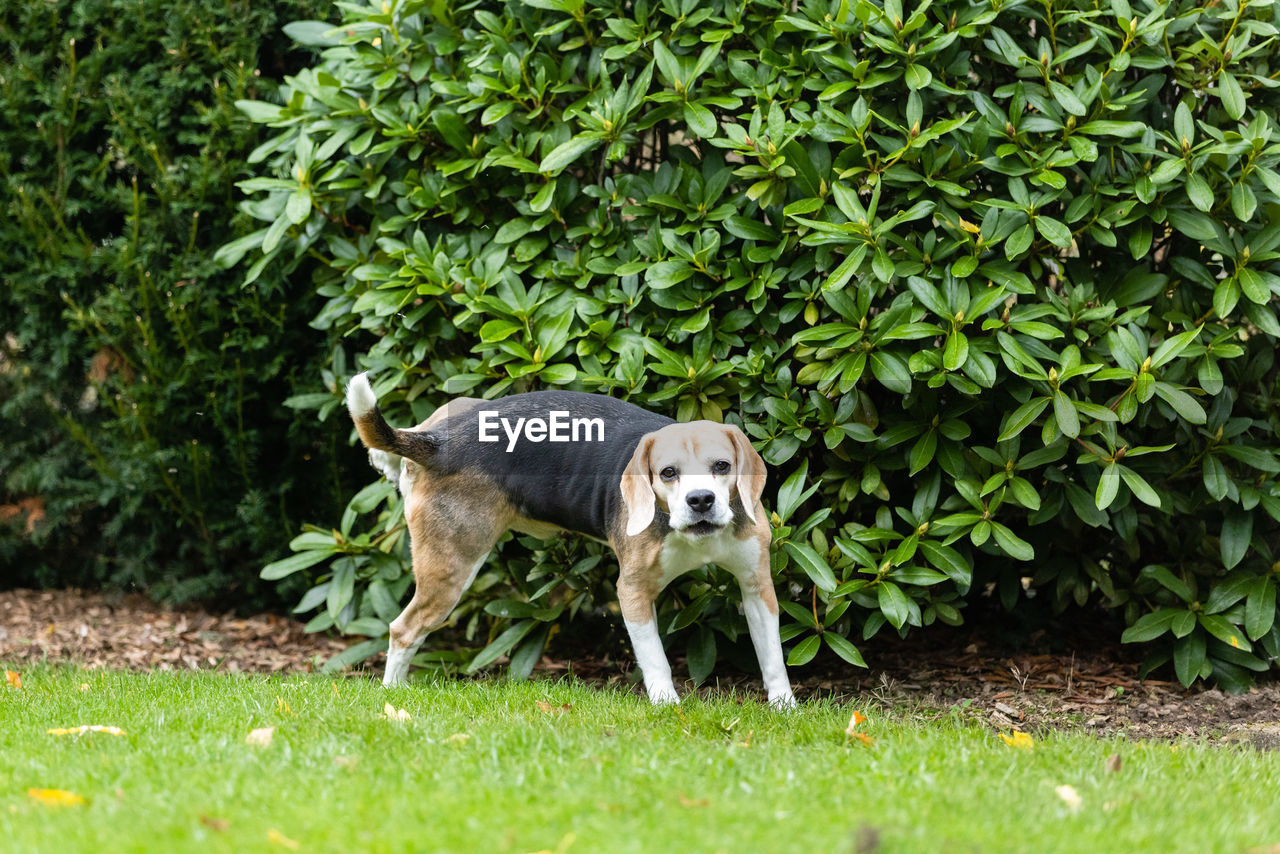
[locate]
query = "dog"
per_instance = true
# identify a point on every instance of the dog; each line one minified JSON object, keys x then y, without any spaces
{"x":667,"y":497}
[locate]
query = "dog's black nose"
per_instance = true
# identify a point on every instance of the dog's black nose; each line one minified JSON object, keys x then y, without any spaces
{"x":701,"y":500}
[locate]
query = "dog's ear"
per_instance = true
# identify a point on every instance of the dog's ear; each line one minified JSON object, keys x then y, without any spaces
{"x":637,"y":492}
{"x":751,"y":471}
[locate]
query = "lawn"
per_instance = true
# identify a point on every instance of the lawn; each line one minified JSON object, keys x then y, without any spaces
{"x":561,"y":766}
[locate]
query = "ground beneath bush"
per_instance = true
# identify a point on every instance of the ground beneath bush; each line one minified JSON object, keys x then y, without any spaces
{"x":1090,"y":686}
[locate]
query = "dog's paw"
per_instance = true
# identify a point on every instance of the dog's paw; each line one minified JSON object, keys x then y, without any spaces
{"x":782,"y":701}
{"x":663,"y":695}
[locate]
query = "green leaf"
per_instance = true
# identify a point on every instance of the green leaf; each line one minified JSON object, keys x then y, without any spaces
{"x":918,"y":77}
{"x":1232,"y":95}
{"x":259,"y":111}
{"x":1260,"y":607}
{"x":501,"y":645}
{"x":1108,"y":487}
{"x":1199,"y":192}
{"x":1189,"y":657}
{"x":1139,"y":487}
{"x":841,"y":646}
{"x":813,"y":565}
{"x":803,"y":652}
{"x":1013,"y":545}
{"x":1067,"y":99}
{"x":298,"y":208}
{"x":701,"y":654}
{"x":1064,"y":411}
{"x":894,"y":604}
{"x":1237,"y":531}
{"x":567,"y":152}
{"x":1149,"y":626}
{"x":294,"y":563}
{"x":1022,"y":417}
{"x":1053,"y":231}
{"x":700,"y":120}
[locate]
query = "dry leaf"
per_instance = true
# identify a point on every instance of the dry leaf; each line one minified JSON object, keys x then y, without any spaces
{"x":549,"y":709}
{"x":80,"y":730}
{"x":14,"y":680}
{"x":391,"y":713}
{"x":1019,"y":739}
{"x":56,"y":797}
{"x":260,"y":737}
{"x":1069,"y":797}
{"x":854,"y":720}
{"x":218,"y":824}
{"x":1113,"y":763}
{"x":867,"y":740}
{"x":698,"y":802}
{"x":279,"y":838}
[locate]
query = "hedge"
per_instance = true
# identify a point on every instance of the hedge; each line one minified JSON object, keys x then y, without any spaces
{"x":991,"y":285}
{"x":145,"y":445}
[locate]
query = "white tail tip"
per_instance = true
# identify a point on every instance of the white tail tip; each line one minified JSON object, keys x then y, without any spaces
{"x":360,"y":397}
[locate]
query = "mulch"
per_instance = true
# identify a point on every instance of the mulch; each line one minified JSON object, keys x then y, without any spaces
{"x":1091,"y":685}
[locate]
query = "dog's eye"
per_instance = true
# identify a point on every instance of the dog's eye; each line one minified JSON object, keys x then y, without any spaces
{"x":720,"y":467}
{"x":668,"y":473}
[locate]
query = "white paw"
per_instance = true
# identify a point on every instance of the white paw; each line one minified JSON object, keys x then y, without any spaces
{"x":663,"y":695}
{"x":782,"y":700}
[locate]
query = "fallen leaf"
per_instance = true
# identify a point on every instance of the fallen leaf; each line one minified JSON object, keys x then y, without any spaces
{"x":1113,"y":764}
{"x":1069,"y":797}
{"x":548,"y":709}
{"x":12,"y":677}
{"x":279,"y":838}
{"x":218,"y":824}
{"x":1019,"y":739}
{"x":80,"y":730}
{"x":391,"y":713}
{"x":864,"y":738}
{"x":56,"y":797}
{"x":854,"y":720}
{"x":458,"y":738}
{"x":260,"y":737}
{"x":346,"y":761}
{"x":690,"y":802}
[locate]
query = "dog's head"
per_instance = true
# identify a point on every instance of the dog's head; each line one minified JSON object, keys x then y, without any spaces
{"x":691,"y":471}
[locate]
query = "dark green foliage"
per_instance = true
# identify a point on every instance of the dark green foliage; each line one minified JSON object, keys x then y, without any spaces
{"x":141,"y":388}
{"x":992,"y":286}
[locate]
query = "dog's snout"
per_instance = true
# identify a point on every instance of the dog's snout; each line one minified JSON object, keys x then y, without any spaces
{"x":701,"y":500}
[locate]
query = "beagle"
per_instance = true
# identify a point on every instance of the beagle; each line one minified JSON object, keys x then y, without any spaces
{"x":667,"y":497}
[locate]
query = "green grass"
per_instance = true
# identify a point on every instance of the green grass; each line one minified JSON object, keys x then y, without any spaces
{"x":611,"y":774}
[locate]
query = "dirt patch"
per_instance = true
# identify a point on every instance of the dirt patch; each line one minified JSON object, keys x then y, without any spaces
{"x":96,"y":630}
{"x":1083,"y":686}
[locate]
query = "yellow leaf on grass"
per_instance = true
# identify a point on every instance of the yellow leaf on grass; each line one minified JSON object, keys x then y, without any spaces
{"x":260,"y":737}
{"x":1019,"y":739}
{"x":1069,"y":797}
{"x":56,"y":797}
{"x":854,"y":720}
{"x":12,"y":677}
{"x":80,"y":730}
{"x":279,"y":838}
{"x":458,"y":739}
{"x":393,"y":714}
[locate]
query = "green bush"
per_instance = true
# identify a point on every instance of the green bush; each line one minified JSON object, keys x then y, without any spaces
{"x":992,"y":286}
{"x":141,"y":387}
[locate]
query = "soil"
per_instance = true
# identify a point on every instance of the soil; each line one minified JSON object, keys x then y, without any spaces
{"x":1078,"y":684}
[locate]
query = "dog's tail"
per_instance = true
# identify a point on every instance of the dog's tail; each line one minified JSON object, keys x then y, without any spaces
{"x":375,"y":432}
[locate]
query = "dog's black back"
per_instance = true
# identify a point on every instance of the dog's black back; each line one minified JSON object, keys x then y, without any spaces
{"x":573,"y":484}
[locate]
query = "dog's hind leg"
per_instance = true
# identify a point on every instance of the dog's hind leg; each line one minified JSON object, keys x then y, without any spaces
{"x":452,"y":534}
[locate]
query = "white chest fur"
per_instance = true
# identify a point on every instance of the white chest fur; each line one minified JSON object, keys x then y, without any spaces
{"x":681,"y":554}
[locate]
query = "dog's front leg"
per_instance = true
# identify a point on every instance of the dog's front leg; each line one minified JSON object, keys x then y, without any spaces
{"x":641,"y":618}
{"x":760,"y":607}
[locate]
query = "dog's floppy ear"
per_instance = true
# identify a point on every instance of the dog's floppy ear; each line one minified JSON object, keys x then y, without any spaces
{"x":751,"y":471}
{"x":637,"y":493}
